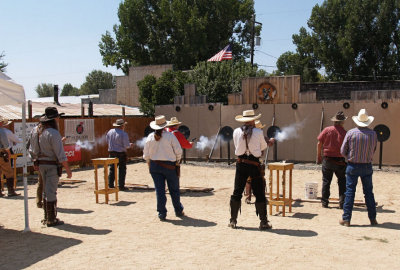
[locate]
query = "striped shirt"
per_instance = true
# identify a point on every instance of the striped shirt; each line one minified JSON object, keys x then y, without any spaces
{"x":359,"y":145}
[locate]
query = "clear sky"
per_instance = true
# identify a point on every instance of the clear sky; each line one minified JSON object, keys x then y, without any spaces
{"x":56,"y":41}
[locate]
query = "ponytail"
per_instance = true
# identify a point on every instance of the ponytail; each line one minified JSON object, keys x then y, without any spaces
{"x":158,"y":134}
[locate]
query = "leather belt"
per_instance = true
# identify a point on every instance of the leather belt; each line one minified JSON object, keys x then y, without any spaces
{"x":163,"y":164}
{"x":47,"y":162}
{"x":242,"y":160}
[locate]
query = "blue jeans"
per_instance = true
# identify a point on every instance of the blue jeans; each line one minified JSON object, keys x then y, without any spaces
{"x":364,"y":171}
{"x":159,"y":175}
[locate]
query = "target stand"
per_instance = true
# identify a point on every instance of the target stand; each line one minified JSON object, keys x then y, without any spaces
{"x":383,"y":134}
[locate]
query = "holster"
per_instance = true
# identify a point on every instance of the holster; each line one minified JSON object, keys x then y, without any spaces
{"x":59,"y":170}
{"x":5,"y":156}
{"x":178,"y":170}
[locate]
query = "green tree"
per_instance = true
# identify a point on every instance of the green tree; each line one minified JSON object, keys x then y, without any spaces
{"x":96,"y":80}
{"x":353,"y":39}
{"x":160,"y":91}
{"x":45,"y":90}
{"x":2,"y":63}
{"x":146,"y":94}
{"x":218,"y":79}
{"x":177,"y":32}
{"x":69,"y":90}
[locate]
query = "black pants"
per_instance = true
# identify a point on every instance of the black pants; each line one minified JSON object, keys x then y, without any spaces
{"x":330,"y":166}
{"x":243,"y":171}
{"x":121,"y":169}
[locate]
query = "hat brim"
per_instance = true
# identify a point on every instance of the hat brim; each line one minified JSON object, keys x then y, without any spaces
{"x":334,"y":119}
{"x":261,"y":127}
{"x":117,"y":125}
{"x":6,"y":123}
{"x":243,"y":119}
{"x":154,"y":126}
{"x":363,"y":124}
{"x":170,"y":124}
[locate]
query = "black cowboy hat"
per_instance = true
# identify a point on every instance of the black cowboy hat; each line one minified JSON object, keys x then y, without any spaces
{"x":50,"y":113}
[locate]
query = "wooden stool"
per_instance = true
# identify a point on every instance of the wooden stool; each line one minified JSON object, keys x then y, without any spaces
{"x":278,"y":200}
{"x":105,"y":162}
{"x":3,"y":180}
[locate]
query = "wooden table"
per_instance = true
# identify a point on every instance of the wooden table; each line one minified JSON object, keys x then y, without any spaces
{"x":105,"y":162}
{"x":279,"y":200}
{"x":3,"y":180}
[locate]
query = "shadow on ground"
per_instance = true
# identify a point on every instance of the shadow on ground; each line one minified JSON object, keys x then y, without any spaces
{"x":29,"y":248}
{"x":192,"y":222}
{"x":82,"y":229}
{"x":73,"y":211}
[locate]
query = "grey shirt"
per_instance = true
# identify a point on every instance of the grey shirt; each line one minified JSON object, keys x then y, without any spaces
{"x":4,"y":144}
{"x":51,"y":146}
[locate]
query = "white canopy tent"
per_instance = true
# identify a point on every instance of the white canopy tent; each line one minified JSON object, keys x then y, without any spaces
{"x":14,"y":94}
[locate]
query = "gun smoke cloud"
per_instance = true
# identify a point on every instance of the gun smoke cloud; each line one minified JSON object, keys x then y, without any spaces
{"x":90,"y":145}
{"x":289,"y":132}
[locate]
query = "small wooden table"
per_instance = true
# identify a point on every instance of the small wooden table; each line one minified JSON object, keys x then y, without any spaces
{"x":3,"y":180}
{"x":105,"y":162}
{"x":277,"y":200}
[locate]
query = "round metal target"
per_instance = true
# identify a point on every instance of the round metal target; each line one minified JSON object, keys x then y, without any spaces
{"x":346,"y":105}
{"x":384,"y":105}
{"x":177,"y":108}
{"x":255,"y":106}
{"x":147,"y":131}
{"x":210,"y":107}
{"x":272,"y":131}
{"x":185,"y":131}
{"x":383,"y":132}
{"x":226,"y":133}
{"x":294,"y":106}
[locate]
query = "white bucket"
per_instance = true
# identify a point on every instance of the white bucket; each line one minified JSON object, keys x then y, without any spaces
{"x":311,"y":191}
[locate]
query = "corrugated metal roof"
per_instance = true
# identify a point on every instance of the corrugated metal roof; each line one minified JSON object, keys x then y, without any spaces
{"x":15,"y":112}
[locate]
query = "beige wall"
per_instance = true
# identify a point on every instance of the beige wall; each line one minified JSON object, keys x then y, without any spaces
{"x":201,"y":121}
{"x":127,"y":89}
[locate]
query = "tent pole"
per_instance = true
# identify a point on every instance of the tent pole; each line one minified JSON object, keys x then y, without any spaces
{"x":24,"y":172}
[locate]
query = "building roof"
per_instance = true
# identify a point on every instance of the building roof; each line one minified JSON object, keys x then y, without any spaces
{"x":72,"y":109}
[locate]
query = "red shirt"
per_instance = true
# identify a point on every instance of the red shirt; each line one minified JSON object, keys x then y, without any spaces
{"x":185,"y":144}
{"x":331,"y":139}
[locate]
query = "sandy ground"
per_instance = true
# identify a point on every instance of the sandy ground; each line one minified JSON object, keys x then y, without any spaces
{"x":127,"y":234}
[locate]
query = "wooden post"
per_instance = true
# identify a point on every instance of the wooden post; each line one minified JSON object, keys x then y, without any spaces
{"x":82,"y":109}
{"x":30,"y":109}
{"x":123,"y":111}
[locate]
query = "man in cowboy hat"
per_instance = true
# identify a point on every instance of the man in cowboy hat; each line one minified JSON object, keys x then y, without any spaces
{"x":5,"y":164}
{"x":162,"y":153}
{"x":47,"y":149}
{"x":172,"y":126}
{"x":358,"y":147}
{"x":328,"y":152}
{"x":249,"y":142}
{"x":118,"y":143}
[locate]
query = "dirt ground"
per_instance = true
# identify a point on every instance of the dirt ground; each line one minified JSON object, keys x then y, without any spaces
{"x":126,"y":234}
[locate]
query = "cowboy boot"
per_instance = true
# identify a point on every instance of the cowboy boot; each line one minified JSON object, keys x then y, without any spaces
{"x":10,"y":187}
{"x":261,"y":211}
{"x":52,"y":219}
{"x":44,"y":220}
{"x":235,"y":207}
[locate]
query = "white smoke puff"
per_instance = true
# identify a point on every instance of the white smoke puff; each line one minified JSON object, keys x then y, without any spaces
{"x":85,"y":145}
{"x":289,"y":132}
{"x":140,"y":143}
{"x":205,"y":142}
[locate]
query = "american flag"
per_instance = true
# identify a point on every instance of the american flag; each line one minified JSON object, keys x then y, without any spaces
{"x":225,"y":54}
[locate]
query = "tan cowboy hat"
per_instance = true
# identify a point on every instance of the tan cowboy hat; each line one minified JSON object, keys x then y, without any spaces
{"x":339,"y":117}
{"x":259,"y":125}
{"x":247,"y":116}
{"x":5,"y":121}
{"x":119,"y":123}
{"x":159,"y":122}
{"x":173,"y":122}
{"x":363,"y":119}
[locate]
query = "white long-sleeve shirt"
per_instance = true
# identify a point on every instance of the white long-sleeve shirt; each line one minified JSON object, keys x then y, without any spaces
{"x":256,"y":143}
{"x":167,"y":148}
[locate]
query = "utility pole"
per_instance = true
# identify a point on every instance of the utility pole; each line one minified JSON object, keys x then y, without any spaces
{"x":253,"y":33}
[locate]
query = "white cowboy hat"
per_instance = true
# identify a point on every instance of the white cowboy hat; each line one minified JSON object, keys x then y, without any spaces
{"x":119,"y":122}
{"x":247,"y":116}
{"x":173,"y":122}
{"x":259,"y":125}
{"x":5,"y":121}
{"x":363,"y":119}
{"x":159,"y":122}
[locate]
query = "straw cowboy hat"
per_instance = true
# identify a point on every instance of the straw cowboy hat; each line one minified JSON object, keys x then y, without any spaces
{"x":259,"y":125}
{"x":119,"y":123}
{"x":173,"y":122}
{"x":339,"y":117}
{"x":4,"y":121}
{"x":247,"y":116}
{"x":50,"y":113}
{"x":363,"y":119}
{"x":159,"y":122}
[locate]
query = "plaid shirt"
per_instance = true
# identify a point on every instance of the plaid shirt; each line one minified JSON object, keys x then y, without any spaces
{"x":359,"y":145}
